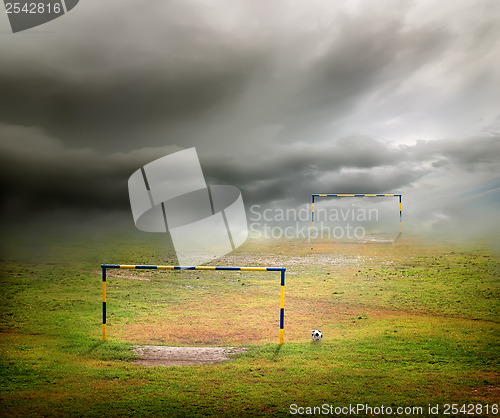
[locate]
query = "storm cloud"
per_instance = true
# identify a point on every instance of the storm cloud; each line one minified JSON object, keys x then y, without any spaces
{"x":281,"y":100}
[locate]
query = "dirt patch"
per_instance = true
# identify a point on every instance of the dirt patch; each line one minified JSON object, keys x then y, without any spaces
{"x":159,"y":355}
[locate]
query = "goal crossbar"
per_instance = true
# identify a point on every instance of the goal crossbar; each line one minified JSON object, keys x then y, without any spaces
{"x":105,"y":267}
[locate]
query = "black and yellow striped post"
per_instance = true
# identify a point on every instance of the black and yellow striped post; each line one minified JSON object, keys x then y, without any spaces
{"x":312,"y":212}
{"x":145,"y":267}
{"x":104,"y":303}
{"x":282,"y":307}
{"x":400,"y":215}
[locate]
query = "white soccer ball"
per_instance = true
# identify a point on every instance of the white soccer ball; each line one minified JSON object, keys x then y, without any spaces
{"x":317,"y":335}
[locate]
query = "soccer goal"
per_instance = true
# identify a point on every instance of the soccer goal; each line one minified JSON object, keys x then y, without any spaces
{"x":399,"y":196}
{"x":105,"y":267}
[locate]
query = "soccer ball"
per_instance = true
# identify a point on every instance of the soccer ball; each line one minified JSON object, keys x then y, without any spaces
{"x":317,"y":335}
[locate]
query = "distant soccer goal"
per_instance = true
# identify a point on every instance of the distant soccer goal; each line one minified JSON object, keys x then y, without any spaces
{"x":317,"y":195}
{"x":282,"y":270}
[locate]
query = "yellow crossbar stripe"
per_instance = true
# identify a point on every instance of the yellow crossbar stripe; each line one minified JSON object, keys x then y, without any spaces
{"x":127,"y":266}
{"x":205,"y":268}
{"x":322,"y":195}
{"x":345,"y":195}
{"x":253,"y":269}
{"x":389,"y":195}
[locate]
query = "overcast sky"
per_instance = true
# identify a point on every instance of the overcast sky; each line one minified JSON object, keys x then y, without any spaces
{"x":281,"y":99}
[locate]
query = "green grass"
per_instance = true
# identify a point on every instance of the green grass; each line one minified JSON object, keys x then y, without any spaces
{"x":404,"y":325}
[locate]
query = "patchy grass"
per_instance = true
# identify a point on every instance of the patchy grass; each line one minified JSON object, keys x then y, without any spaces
{"x":410,"y":324}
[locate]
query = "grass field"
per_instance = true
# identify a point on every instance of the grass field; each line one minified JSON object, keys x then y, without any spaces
{"x":411,"y":324}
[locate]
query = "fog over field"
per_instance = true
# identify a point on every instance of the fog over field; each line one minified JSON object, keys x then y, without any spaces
{"x":281,"y":99}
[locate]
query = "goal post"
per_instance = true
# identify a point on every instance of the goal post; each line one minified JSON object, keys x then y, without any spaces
{"x":316,"y":195}
{"x":282,"y":270}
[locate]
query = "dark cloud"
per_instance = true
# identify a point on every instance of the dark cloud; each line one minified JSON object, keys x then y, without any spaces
{"x":183,"y":71}
{"x":100,"y":112}
{"x":281,"y":99}
{"x":42,"y":174}
{"x":476,"y":152}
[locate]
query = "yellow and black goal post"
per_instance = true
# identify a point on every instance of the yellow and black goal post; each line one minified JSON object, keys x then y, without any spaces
{"x":316,"y":195}
{"x":105,"y":267}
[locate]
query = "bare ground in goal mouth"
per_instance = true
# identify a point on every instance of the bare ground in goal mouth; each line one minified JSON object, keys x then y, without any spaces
{"x":159,"y":355}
